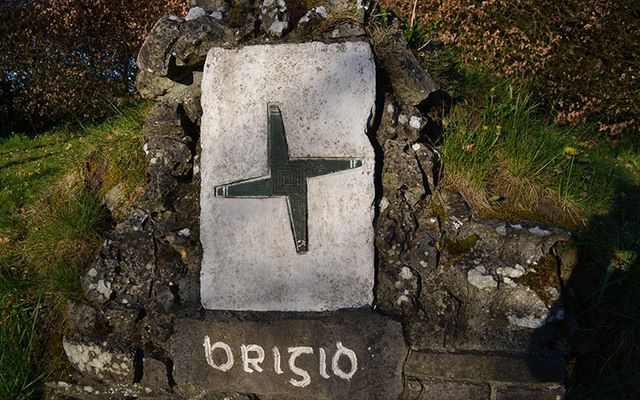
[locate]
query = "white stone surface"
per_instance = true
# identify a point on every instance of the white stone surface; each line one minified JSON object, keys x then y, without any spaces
{"x":194,"y":13}
{"x":477,"y":278}
{"x":326,"y":93}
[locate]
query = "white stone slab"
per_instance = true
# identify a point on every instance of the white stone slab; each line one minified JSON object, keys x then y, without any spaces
{"x":326,"y":93}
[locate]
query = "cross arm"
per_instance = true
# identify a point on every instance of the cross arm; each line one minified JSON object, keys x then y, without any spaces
{"x":323,"y":167}
{"x":250,"y":188}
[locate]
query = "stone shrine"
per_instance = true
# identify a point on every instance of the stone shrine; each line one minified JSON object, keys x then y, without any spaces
{"x":294,"y":240}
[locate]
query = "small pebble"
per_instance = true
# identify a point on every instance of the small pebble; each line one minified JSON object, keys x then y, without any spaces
{"x":194,"y":13}
{"x":415,"y":122}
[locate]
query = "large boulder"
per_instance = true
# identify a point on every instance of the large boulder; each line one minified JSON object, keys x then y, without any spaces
{"x":173,"y":54}
{"x":410,"y":81}
{"x":196,"y":37}
{"x":155,"y":54}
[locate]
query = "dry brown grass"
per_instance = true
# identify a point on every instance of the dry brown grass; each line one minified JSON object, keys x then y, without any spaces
{"x":518,"y":199}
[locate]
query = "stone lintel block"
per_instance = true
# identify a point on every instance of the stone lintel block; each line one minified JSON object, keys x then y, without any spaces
{"x":485,"y":367}
{"x":338,"y":355}
{"x":450,"y":390}
{"x":92,"y":390}
{"x":521,"y":393}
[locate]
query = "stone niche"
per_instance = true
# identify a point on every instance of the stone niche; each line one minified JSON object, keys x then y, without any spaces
{"x":292,"y":241}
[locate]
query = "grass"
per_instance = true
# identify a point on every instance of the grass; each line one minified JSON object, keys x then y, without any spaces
{"x":21,"y":348}
{"x":51,"y":218}
{"x":511,"y":162}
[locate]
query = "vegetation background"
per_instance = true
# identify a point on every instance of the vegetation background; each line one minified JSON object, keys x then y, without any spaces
{"x":580,"y":58}
{"x":539,"y":122}
{"x":65,"y":61}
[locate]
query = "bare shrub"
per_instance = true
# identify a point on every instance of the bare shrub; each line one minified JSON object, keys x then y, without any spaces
{"x":68,"y":60}
{"x":581,"y":58}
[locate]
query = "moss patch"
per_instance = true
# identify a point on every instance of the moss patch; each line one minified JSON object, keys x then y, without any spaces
{"x":544,"y":277}
{"x":463,"y":246}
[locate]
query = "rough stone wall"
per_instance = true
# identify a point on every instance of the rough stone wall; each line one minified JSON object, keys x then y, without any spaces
{"x":479,"y":300}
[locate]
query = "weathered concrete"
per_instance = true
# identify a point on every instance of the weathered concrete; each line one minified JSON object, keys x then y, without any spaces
{"x":326,"y":94}
{"x":343,"y":355}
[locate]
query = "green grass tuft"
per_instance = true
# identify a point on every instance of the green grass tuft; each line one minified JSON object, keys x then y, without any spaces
{"x":512,"y":161}
{"x":21,"y":348}
{"x":51,"y":217}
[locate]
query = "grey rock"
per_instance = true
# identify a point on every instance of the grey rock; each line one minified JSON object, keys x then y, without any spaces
{"x":413,"y":390}
{"x":346,"y":29}
{"x":314,"y":13}
{"x":151,"y":86}
{"x":104,"y":289}
{"x":185,"y":98}
{"x":410,"y":81}
{"x":155,"y":53}
{"x":209,"y":6}
{"x":443,"y":390}
{"x":164,"y":120}
{"x":122,"y":319}
{"x":154,"y":374}
{"x":169,"y":155}
{"x":481,"y":290}
{"x":496,"y":368}
{"x":405,"y":194}
{"x":217,"y":15}
{"x":82,"y":318}
{"x":92,"y":390}
{"x":101,"y":361}
{"x":480,"y":280}
{"x":402,"y":171}
{"x":114,"y":198}
{"x":314,"y":356}
{"x":274,"y":17}
{"x":196,"y":37}
{"x":551,"y":392}
{"x":415,"y":122}
{"x":194,"y":13}
{"x":171,"y":135}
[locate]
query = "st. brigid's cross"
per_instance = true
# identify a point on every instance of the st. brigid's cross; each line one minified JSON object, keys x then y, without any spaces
{"x":287,"y":178}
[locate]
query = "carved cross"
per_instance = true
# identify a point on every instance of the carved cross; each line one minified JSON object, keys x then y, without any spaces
{"x":287,"y":178}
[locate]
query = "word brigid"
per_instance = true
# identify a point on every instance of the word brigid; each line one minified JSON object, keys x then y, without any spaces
{"x":253,"y":357}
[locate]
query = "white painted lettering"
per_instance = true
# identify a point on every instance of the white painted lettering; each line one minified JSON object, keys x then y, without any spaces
{"x":208,"y":353}
{"x":253,"y":358}
{"x":323,"y":364}
{"x":351,"y":355}
{"x":253,"y":361}
{"x":295,"y":352}
{"x":276,"y":361}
